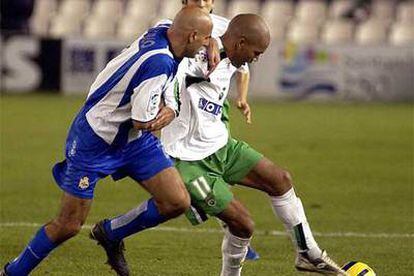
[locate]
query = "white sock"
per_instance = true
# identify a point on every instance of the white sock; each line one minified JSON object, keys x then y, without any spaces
{"x":290,"y":210}
{"x":234,"y":250}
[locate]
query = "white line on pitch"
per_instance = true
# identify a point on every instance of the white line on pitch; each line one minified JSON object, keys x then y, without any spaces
{"x":256,"y":232}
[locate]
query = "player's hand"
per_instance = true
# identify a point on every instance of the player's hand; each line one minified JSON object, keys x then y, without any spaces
{"x":164,"y":117}
{"x":213,"y":55}
{"x":244,"y":108}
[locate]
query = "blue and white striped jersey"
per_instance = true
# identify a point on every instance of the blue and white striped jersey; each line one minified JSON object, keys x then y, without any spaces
{"x":131,"y":87}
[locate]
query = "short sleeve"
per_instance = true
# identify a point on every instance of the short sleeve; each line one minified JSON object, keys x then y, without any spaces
{"x":148,"y":86}
{"x":146,"y":99}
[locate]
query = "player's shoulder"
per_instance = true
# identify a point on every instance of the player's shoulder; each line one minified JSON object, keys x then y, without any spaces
{"x":220,"y":24}
{"x":155,"y":38}
{"x":219,"y":19}
{"x":159,"y":63}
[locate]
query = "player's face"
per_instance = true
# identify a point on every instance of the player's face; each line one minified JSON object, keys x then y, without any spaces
{"x":245,"y":52}
{"x":196,"y":41}
{"x":206,"y":5}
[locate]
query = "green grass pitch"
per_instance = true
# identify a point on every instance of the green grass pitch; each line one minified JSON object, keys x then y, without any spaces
{"x":352,"y":165}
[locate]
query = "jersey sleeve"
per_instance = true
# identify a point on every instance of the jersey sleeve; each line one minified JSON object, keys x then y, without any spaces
{"x":171,"y":96}
{"x":146,"y":99}
{"x":149,"y":85}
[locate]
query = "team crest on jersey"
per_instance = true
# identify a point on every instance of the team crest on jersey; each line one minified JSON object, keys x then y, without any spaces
{"x":201,"y":56}
{"x":209,"y":107}
{"x":84,"y":183}
{"x":153,"y":102}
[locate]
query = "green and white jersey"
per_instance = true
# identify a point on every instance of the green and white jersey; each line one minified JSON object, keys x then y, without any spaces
{"x":199,"y":131}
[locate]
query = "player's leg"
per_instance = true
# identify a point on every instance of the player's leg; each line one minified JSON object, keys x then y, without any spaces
{"x":169,"y":200}
{"x":236,"y":239}
{"x":152,"y":169}
{"x":278,"y":184}
{"x":71,"y":217}
{"x":211,"y":196}
{"x":251,"y":255}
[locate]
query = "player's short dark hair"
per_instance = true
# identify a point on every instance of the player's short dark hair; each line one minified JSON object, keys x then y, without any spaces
{"x":184,"y":2}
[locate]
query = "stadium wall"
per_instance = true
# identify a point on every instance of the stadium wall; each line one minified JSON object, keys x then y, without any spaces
{"x":285,"y":71}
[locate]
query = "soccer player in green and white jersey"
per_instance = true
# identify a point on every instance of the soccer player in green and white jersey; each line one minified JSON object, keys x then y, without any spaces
{"x":220,"y":25}
{"x":242,"y":82}
{"x":208,"y":159}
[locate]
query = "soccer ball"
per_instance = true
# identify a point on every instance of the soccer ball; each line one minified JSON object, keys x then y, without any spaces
{"x":355,"y":268}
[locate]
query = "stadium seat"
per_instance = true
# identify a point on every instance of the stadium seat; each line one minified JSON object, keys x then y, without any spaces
{"x":302,"y":32}
{"x":405,"y":12}
{"x":242,"y":6}
{"x":383,"y":10}
{"x":111,"y":10}
{"x":142,"y":9}
{"x":78,"y":8}
{"x":130,"y":28}
{"x":99,"y":27}
{"x":170,"y":8}
{"x":43,"y":12}
{"x":402,"y":34}
{"x":311,"y":11}
{"x":371,"y":32}
{"x":65,"y":26}
{"x":337,"y":32}
{"x":220,"y":7}
{"x":277,"y":14}
{"x":339,"y":7}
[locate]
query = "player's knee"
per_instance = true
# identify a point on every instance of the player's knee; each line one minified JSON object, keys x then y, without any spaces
{"x":71,"y":228}
{"x":283,"y":182}
{"x":175,"y":206}
{"x":66,"y":228}
{"x":248,"y":227}
{"x":286,"y":178}
{"x":242,"y":228}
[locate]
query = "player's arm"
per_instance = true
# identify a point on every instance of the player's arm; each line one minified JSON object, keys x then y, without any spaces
{"x":242,"y":85}
{"x":145,"y":102}
{"x":213,"y":55}
{"x":149,"y":111}
{"x":163,"y":118}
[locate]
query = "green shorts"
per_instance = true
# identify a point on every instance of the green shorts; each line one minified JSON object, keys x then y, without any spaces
{"x":207,"y":180}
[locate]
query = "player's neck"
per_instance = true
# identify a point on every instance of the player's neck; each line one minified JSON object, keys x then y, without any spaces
{"x":175,"y":45}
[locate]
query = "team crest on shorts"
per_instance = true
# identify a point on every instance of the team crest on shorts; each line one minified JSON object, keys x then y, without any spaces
{"x":84,"y":183}
{"x":211,"y":201}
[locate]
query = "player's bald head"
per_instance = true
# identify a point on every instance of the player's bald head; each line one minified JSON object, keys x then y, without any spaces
{"x":251,"y":27}
{"x":190,"y":30}
{"x":246,"y":38}
{"x":192,"y":19}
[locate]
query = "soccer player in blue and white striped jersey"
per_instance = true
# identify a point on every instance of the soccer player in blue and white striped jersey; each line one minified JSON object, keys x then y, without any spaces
{"x":111,"y":136}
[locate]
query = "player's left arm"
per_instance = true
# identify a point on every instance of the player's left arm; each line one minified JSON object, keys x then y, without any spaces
{"x":242,"y":85}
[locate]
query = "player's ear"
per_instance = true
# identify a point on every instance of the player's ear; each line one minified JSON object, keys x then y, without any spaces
{"x":192,"y":37}
{"x":240,"y":43}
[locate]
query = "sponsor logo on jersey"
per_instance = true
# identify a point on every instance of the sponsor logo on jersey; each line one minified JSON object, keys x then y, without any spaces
{"x":209,"y":107}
